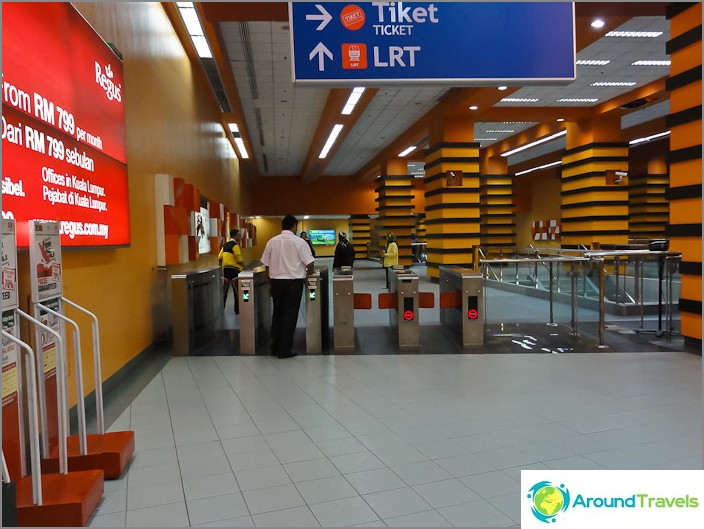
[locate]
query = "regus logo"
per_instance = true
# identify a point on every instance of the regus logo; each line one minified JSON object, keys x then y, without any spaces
{"x":104,"y":79}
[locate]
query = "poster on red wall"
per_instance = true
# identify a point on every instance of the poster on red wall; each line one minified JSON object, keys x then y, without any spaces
{"x":63,"y":126}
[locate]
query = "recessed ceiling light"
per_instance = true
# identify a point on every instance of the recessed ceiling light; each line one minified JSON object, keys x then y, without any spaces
{"x":352,"y":100}
{"x":651,"y":63}
{"x":634,"y":34}
{"x":612,"y":83}
{"x":597,"y":23}
{"x":534,"y":143}
{"x":519,"y":100}
{"x":331,"y":140}
{"x":560,"y":119}
{"x":649,"y":138}
{"x":578,"y":100}
{"x":407,"y":151}
{"x":473,"y":107}
{"x":593,"y":62}
{"x":553,"y":164}
{"x":503,"y":87}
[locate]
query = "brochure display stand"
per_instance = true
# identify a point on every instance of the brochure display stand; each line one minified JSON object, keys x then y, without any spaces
{"x":63,"y":499}
{"x":107,"y":451}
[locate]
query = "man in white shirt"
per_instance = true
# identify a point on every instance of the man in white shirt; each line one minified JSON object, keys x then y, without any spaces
{"x":288,"y":260}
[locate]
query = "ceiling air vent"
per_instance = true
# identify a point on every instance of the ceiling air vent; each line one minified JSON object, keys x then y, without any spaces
{"x":635,"y":104}
{"x":211,"y":71}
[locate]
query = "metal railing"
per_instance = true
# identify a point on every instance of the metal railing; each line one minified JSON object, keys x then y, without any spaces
{"x":621,"y":277}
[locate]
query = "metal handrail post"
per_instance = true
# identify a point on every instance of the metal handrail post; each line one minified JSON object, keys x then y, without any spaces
{"x":557,"y":278}
{"x":661,"y":266}
{"x":617,"y":274}
{"x":640,"y":294}
{"x":573,"y":275}
{"x":77,"y":361}
{"x":552,"y":319}
{"x":30,"y":375}
{"x":61,"y":397}
{"x":516,"y":273}
{"x":97,"y":371}
{"x":602,"y":285}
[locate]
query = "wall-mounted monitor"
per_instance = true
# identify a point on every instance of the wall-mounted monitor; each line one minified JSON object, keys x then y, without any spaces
{"x":64,"y":152}
{"x":322,"y":237}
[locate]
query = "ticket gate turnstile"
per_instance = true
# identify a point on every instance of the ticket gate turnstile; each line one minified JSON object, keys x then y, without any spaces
{"x":343,"y":311}
{"x":405,"y":284}
{"x":253,"y":289}
{"x":462,"y":304}
{"x":317,"y":311}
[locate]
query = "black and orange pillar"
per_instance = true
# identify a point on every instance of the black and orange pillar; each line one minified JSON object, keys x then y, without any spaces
{"x":648,"y":209}
{"x":360,"y":235}
{"x":395,"y":207}
{"x":498,"y":217}
{"x":594,"y":202}
{"x":685,"y":159}
{"x":452,"y":204}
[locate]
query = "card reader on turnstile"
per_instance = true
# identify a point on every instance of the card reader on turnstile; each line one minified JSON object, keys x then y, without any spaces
{"x":312,"y":288}
{"x":246,"y":287}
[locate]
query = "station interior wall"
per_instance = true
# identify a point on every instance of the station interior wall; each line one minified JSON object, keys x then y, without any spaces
{"x":173,"y":127}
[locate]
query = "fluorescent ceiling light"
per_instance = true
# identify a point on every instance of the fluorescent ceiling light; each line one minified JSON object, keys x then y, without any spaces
{"x":578,"y":100}
{"x":473,"y":107}
{"x":503,"y":87}
{"x":190,"y":18}
{"x":202,"y":47}
{"x":593,"y":62}
{"x":184,"y":4}
{"x":560,"y":119}
{"x":649,"y":138}
{"x":331,"y":140}
{"x":353,"y":100}
{"x":486,"y":139}
{"x":597,"y":23}
{"x":516,"y":122}
{"x":407,"y":151}
{"x":651,"y":34}
{"x":534,"y":143}
{"x":553,"y":164}
{"x":306,"y":217}
{"x":519,"y":100}
{"x":612,"y":83}
{"x":239,"y":141}
{"x":501,"y":131}
{"x":651,"y":63}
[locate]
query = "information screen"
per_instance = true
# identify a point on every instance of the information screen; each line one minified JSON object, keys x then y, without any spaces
{"x":63,"y":126}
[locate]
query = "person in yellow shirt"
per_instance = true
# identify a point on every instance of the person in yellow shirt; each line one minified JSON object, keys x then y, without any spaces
{"x":230,"y":258}
{"x":390,"y":255}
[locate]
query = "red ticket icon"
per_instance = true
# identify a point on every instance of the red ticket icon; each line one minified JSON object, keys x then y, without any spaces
{"x":354,"y":56}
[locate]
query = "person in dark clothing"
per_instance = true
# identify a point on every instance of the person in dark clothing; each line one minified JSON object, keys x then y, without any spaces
{"x":304,"y":236}
{"x":344,"y":253}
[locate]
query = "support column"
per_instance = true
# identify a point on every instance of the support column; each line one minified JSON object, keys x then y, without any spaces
{"x":452,"y":205}
{"x":594,"y":205}
{"x":648,"y":209}
{"x":498,"y":217}
{"x":685,"y":158}
{"x":360,"y":235}
{"x":395,"y":199}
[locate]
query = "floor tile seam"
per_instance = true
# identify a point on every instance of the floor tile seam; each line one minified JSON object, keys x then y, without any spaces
{"x":433,"y":509}
{"x":498,"y":508}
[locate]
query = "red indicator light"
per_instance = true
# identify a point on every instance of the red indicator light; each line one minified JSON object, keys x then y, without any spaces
{"x":408,"y":315}
{"x":472,"y":314}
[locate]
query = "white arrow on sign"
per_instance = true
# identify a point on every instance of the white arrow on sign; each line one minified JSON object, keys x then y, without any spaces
{"x":320,"y":50}
{"x":324,"y":17}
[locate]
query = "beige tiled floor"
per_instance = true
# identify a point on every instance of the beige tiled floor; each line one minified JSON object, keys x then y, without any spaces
{"x":407,"y":440}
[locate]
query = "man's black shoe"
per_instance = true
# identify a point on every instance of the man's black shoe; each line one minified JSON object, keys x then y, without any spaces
{"x":288,"y":355}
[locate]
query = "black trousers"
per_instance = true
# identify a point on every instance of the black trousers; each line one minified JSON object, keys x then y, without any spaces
{"x":230,"y":274}
{"x":286,"y":295}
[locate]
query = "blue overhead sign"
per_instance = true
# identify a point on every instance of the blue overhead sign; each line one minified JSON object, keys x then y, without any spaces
{"x":460,"y":43}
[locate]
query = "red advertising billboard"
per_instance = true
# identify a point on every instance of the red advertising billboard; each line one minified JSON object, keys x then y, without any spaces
{"x":63,"y":126}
